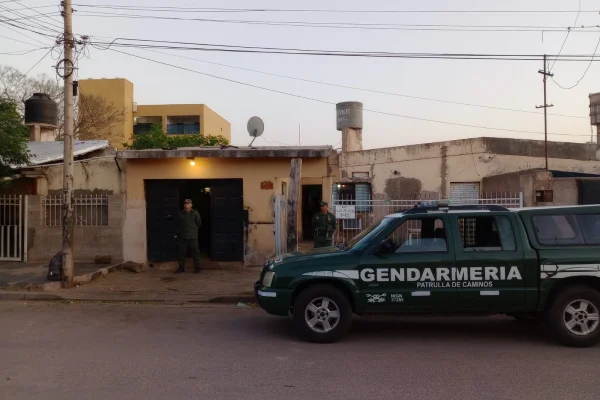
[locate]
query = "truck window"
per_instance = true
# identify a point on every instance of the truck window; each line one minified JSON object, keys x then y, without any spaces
{"x":419,"y":235}
{"x":486,"y":233}
{"x":557,"y":230}
{"x":590,"y":226}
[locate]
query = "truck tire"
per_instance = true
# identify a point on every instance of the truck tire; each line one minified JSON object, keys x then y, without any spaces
{"x":322,"y":314}
{"x":574,"y":316}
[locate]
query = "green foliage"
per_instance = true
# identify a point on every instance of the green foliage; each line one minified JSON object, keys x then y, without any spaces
{"x":13,"y":139}
{"x":155,"y":138}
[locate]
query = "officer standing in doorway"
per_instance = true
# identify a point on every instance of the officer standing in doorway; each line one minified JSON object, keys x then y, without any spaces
{"x":324,"y":225}
{"x":187,"y":235}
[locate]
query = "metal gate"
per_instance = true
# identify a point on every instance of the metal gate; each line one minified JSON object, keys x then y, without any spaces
{"x":13,"y":223}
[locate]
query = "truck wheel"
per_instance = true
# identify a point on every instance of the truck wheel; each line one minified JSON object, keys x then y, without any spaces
{"x":574,"y":317}
{"x":322,"y":314}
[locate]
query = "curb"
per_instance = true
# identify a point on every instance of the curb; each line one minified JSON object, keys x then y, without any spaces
{"x":10,"y":295}
{"x":18,"y":296}
{"x":78,"y":280}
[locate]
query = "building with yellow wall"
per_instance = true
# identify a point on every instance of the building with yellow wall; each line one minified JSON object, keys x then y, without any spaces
{"x":176,"y":119}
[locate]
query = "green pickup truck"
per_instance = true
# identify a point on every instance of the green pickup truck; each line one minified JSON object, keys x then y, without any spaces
{"x":526,"y":263}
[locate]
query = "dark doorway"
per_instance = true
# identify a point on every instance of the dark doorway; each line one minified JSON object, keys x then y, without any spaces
{"x":220,"y":205}
{"x":589,"y":191}
{"x":312,"y":195}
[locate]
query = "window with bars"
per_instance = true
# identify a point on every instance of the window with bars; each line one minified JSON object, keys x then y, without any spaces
{"x":357,"y":194}
{"x":91,"y":210}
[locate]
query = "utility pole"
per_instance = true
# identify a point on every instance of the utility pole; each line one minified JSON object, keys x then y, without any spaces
{"x":67,"y":209}
{"x":546,"y":74}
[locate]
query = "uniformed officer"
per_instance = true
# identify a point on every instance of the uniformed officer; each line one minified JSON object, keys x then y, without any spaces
{"x":187,"y":235}
{"x":324,"y":225}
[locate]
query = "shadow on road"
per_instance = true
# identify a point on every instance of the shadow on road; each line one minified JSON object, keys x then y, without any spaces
{"x":434,"y":329}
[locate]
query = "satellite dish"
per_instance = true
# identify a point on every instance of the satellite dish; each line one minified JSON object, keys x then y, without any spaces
{"x":256,"y":127}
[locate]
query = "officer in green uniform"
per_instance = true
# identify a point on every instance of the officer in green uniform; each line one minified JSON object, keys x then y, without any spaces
{"x":187,"y":235}
{"x":324,"y":225}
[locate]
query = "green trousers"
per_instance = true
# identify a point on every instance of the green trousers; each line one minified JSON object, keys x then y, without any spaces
{"x":192,"y":245}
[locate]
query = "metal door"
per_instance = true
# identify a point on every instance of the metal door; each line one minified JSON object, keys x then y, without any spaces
{"x":227,"y":220}
{"x":12,"y":227}
{"x":162,"y":208}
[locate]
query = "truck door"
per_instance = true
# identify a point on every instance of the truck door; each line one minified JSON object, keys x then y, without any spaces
{"x":490,"y":264}
{"x":407,"y":270}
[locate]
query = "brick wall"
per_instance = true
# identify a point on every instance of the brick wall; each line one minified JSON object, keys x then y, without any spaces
{"x":89,"y":241}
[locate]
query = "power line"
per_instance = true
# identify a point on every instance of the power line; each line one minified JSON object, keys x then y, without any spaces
{"x":6,"y":25}
{"x":22,"y":52}
{"x":350,"y":25}
{"x":365,"y":89}
{"x":332,"y":103}
{"x":292,"y":51}
{"x":40,"y":25}
{"x":354,"y":25}
{"x":20,"y":41}
{"x":566,"y":36}
{"x":44,"y":15}
{"x":584,"y":72}
{"x":336,"y":11}
{"x":29,"y":70}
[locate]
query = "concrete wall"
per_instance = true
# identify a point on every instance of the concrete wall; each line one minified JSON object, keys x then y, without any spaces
{"x":566,"y":192}
{"x":97,"y":175}
{"x":398,"y":172}
{"x":118,"y":92}
{"x":43,"y":242}
{"x":258,"y":201}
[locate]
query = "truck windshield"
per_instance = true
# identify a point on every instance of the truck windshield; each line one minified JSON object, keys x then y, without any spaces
{"x":366,"y":235}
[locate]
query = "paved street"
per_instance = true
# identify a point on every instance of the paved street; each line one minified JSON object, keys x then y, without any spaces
{"x":122,"y":351}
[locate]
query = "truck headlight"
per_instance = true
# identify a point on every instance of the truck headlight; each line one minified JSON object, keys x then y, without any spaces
{"x":268,"y":278}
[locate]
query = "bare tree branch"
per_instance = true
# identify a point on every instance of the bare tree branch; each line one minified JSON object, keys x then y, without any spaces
{"x":97,"y":118}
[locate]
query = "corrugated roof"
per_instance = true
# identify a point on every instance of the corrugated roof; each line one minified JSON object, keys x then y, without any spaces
{"x":47,"y":152}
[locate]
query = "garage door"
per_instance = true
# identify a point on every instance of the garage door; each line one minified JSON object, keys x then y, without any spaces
{"x":464,"y":193}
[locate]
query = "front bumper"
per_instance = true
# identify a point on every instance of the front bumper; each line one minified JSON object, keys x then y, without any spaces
{"x":273,"y":301}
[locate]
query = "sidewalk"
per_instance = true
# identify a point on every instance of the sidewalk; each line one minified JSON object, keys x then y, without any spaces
{"x":151,"y":285}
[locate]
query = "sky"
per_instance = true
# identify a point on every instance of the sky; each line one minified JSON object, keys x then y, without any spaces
{"x":505,"y":84}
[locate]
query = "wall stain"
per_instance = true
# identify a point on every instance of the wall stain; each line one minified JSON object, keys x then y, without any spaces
{"x":400,"y":188}
{"x":444,"y":172}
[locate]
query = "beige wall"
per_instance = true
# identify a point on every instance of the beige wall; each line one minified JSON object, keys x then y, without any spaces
{"x":119,"y":93}
{"x":399,"y":171}
{"x":215,"y":125}
{"x":259,"y":202}
{"x":97,"y":175}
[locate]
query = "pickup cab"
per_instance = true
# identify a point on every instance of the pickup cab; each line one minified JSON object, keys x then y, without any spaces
{"x":526,"y":263}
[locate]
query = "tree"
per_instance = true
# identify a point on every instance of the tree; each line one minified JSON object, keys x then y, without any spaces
{"x":14,"y":137}
{"x":96,"y":118}
{"x":15,"y":86}
{"x":155,"y":138}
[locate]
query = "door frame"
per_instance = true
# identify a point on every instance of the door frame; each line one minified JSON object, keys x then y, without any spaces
{"x":407,"y":295}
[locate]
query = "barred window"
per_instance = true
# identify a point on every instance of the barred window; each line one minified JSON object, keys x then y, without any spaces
{"x":88,"y":210}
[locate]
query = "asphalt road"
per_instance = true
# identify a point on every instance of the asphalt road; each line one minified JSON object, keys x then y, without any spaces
{"x":98,"y":351}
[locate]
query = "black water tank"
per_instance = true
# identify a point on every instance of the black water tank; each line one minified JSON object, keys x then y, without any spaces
{"x":41,"y":109}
